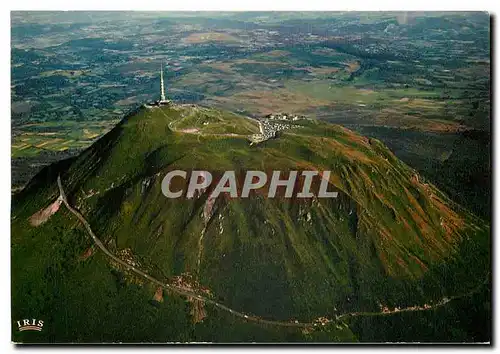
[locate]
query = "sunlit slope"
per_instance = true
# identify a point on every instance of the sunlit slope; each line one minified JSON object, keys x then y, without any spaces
{"x":387,"y":239}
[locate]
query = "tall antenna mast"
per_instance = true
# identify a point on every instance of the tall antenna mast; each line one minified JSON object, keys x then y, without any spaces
{"x":162,"y":93}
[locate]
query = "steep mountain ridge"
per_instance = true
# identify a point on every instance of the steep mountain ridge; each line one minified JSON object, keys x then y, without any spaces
{"x":386,"y":240}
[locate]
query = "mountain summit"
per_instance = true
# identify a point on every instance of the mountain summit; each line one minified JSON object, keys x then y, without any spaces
{"x":389,"y":240}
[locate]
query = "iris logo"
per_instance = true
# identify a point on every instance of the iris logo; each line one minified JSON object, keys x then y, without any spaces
{"x":30,"y":325}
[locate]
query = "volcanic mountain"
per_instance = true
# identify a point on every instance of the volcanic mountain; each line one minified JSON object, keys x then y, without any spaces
{"x":390,"y":240}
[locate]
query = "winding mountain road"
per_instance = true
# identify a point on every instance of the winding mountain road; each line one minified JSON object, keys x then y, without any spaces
{"x":184,"y":292}
{"x":176,"y":289}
